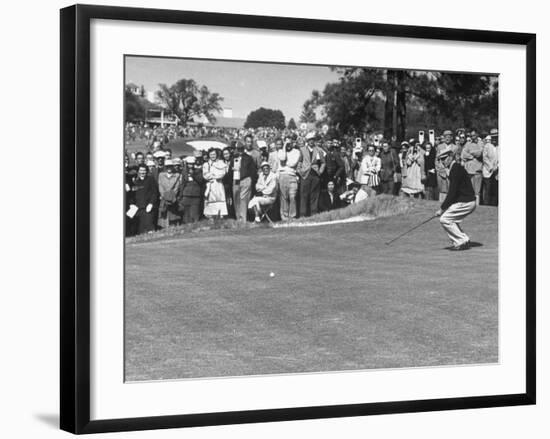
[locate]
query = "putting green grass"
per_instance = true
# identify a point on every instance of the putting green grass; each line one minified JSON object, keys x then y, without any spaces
{"x":204,"y":305}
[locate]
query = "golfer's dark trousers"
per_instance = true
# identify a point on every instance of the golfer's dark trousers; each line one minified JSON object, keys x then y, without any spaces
{"x":191,"y":211}
{"x":309,"y":195}
{"x":387,"y":187}
{"x":145,"y":221}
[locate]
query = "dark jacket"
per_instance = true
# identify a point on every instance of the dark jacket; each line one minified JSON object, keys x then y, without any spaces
{"x":326,"y":204}
{"x":390,"y":164}
{"x":145,"y":192}
{"x":192,"y":187}
{"x":335,"y":168}
{"x":460,"y":187}
{"x":429,"y":165}
{"x":248,"y":168}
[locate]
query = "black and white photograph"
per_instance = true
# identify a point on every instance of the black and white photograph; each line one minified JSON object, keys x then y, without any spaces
{"x":295,"y":218}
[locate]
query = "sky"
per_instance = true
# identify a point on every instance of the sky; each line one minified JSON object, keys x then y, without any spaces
{"x":245,"y":86}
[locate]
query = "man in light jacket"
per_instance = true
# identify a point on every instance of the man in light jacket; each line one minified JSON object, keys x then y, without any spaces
{"x":266,"y":191}
{"x":289,"y":158}
{"x":472,"y":159}
{"x":310,"y":169}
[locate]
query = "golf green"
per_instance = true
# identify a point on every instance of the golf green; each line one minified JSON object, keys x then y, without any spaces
{"x":205,"y":305}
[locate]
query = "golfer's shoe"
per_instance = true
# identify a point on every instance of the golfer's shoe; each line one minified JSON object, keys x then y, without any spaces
{"x":460,"y":247}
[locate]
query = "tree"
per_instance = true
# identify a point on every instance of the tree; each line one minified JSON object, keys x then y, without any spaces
{"x":135,"y":106}
{"x":308,"y":109}
{"x":186,"y":99}
{"x":265,"y":117}
{"x":403,"y":101}
{"x":291,"y":124}
{"x":349,"y":104}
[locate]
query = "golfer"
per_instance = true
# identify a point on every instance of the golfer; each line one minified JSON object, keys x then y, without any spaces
{"x":459,"y":202}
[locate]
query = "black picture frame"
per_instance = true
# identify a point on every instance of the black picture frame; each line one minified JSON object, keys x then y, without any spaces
{"x":75,"y":217}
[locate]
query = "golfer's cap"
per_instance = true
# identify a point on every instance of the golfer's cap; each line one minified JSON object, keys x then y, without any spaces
{"x":261,"y":143}
{"x":150,"y":163}
{"x":265,"y":164}
{"x":310,"y":135}
{"x":404,"y":143}
{"x":190,"y":160}
{"x":197,"y":153}
{"x":176,"y":161}
{"x":158,"y":154}
{"x":447,"y":133}
{"x":488,"y":137}
{"x":168,"y":163}
{"x":494,"y":132}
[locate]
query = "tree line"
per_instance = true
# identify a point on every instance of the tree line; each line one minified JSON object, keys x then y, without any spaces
{"x":401,"y":102}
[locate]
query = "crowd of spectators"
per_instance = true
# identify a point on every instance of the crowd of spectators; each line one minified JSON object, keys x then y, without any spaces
{"x":291,"y":173}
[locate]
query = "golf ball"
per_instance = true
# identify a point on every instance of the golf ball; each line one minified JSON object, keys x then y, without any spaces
{"x":271,"y":274}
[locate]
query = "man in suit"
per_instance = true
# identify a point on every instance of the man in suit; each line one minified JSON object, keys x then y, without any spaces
{"x":192,"y":190}
{"x":310,"y":170}
{"x":459,"y":202}
{"x":441,"y":171}
{"x":145,"y":199}
{"x":245,"y":173}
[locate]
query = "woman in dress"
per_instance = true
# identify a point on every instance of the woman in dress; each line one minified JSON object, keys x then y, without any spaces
{"x":369,"y":171}
{"x":413,"y":185}
{"x":228,"y":182}
{"x":214,"y":170}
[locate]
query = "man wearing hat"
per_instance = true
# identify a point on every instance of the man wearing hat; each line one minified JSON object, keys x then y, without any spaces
{"x":490,"y":168}
{"x":192,"y":190}
{"x":310,"y":169}
{"x":266,"y":191}
{"x":441,"y":170}
{"x":472,"y":158}
{"x":254,"y":153}
{"x":169,"y":187}
{"x":288,"y":159}
{"x":460,"y":201}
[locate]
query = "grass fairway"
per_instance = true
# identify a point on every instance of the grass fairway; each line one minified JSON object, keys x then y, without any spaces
{"x":204,"y":305}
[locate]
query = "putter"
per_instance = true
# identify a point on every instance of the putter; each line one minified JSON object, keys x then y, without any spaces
{"x":410,"y":230}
